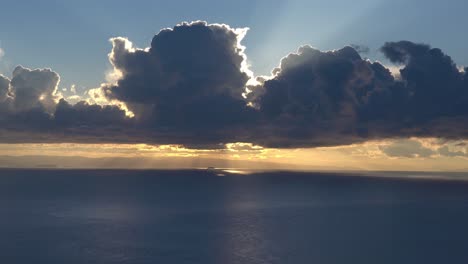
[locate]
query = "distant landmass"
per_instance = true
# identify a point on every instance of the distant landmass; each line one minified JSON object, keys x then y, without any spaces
{"x":131,"y":163}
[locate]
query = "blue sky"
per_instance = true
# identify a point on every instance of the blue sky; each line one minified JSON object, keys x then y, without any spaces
{"x":71,"y":37}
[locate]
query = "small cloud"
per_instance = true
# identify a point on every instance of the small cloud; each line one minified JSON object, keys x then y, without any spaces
{"x":360,"y":48}
{"x":2,"y":53}
{"x":448,"y":152}
{"x":407,"y":148}
{"x":241,"y":146}
{"x":74,"y":99}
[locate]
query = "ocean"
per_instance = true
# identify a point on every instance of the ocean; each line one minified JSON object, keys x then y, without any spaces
{"x":196,"y":216}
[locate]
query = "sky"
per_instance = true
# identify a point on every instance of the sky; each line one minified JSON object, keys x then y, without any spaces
{"x":71,"y":37}
{"x":341,"y":112}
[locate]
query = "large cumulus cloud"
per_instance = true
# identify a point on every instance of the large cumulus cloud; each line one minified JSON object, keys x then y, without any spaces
{"x":188,"y":85}
{"x":192,"y":86}
{"x":436,"y":86}
{"x":315,"y":97}
{"x":430,"y":100}
{"x":336,"y":97}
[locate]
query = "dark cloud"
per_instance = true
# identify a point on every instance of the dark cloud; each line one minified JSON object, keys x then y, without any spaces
{"x":336,"y":97}
{"x":34,"y":88}
{"x":321,"y":98}
{"x":84,"y":114}
{"x":188,"y":84}
{"x":190,"y":61}
{"x":308,"y":94}
{"x":435,"y":84}
{"x":431,"y":98}
{"x":189,"y":87}
{"x":31,"y":111}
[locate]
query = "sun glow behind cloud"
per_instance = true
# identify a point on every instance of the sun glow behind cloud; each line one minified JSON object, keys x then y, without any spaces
{"x":409,"y":154}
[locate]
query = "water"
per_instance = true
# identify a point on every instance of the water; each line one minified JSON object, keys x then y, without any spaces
{"x":66,"y":216}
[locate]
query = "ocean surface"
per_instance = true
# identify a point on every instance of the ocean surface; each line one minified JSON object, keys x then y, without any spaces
{"x":195,"y":216}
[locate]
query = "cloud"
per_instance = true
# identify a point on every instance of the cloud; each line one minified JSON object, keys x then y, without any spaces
{"x":436,"y":86}
{"x":2,"y":53}
{"x":187,"y":62}
{"x":421,"y":148}
{"x":188,"y":84}
{"x":447,"y":152}
{"x":34,"y":88}
{"x":362,"y":49}
{"x":335,"y":97}
{"x":31,"y":110}
{"x":319,"y":98}
{"x":407,"y":149}
{"x":4,"y":88}
{"x":84,"y":114}
{"x":192,"y":86}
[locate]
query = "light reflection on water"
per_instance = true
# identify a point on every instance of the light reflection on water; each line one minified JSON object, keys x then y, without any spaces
{"x":241,"y":172}
{"x":245,"y":241}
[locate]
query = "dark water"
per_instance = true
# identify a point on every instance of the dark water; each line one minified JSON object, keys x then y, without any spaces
{"x":66,"y":217}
